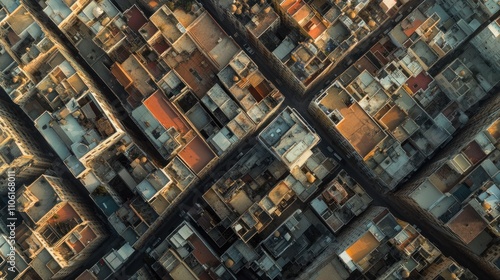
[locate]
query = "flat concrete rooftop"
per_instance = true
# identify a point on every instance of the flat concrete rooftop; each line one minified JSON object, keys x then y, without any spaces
{"x":356,"y":126}
{"x":213,"y":40}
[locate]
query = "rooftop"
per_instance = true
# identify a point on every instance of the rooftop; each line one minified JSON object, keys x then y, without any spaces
{"x":155,"y":131}
{"x":39,"y":198}
{"x":427,"y":194}
{"x":180,"y":173}
{"x":10,"y":5}
{"x":76,"y":129}
{"x":63,"y":214}
{"x":20,"y":20}
{"x":86,"y":275}
{"x":424,"y":53}
{"x":420,"y":82}
{"x":216,"y":203}
{"x":165,"y":113}
{"x":153,"y":184}
{"x":467,"y":224}
{"x":132,"y":72}
{"x":192,"y":65}
{"x":116,"y":258}
{"x":168,"y":24}
{"x":351,"y":120}
{"x":362,"y":247}
{"x":196,"y":154}
{"x":341,"y":201}
{"x":45,"y":265}
{"x":261,"y":172}
{"x":494,"y":130}
{"x":241,"y":254}
{"x":94,"y":14}
{"x":393,"y":118}
{"x":408,"y":26}
{"x":213,"y":40}
{"x":264,"y":18}
{"x":474,"y":152}
{"x":177,"y":269}
{"x":57,"y":10}
{"x":135,"y":18}
{"x":289,"y":137}
{"x":11,"y":150}
{"x":315,"y":27}
{"x":194,"y":251}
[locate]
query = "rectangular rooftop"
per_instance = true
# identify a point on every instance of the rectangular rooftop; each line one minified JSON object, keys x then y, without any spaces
{"x":197,"y":154}
{"x":289,"y":136}
{"x":165,"y":113}
{"x":213,"y":40}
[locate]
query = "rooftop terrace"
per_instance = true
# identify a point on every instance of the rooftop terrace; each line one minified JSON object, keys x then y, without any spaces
{"x":20,"y":20}
{"x":75,"y":130}
{"x":264,"y":18}
{"x":192,"y":66}
{"x":424,"y":53}
{"x":153,"y":184}
{"x":341,"y":201}
{"x":200,"y":258}
{"x":97,"y":15}
{"x":213,"y":40}
{"x":155,"y":131}
{"x":168,"y":24}
{"x":132,"y":72}
{"x":57,"y":10}
{"x":289,"y":137}
{"x":351,"y":120}
{"x":38,"y":198}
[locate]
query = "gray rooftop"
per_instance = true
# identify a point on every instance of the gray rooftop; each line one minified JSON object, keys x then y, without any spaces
{"x":42,"y":195}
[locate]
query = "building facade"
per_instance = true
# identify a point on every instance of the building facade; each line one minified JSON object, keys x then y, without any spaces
{"x":19,"y":150}
{"x":59,"y":231}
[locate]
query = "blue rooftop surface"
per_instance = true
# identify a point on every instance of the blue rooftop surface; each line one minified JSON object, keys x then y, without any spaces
{"x":106,"y":203}
{"x":10,"y":5}
{"x":57,"y":10}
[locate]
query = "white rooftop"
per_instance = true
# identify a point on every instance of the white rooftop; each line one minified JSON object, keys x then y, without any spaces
{"x":284,"y":49}
{"x":57,"y":10}
{"x":426,"y":195}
